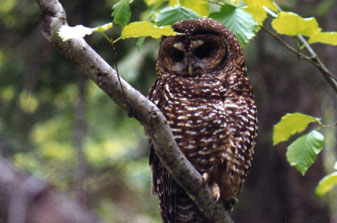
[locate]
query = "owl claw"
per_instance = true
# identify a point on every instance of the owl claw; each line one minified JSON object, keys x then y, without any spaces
{"x":205,"y":177}
{"x":214,"y":187}
{"x":215,"y":191}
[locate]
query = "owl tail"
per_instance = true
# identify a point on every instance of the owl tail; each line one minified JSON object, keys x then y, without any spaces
{"x":175,"y":205}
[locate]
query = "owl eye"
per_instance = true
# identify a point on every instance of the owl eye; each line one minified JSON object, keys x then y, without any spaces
{"x":204,"y":51}
{"x":177,"y":55}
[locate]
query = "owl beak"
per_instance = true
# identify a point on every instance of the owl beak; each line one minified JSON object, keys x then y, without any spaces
{"x":190,"y":69}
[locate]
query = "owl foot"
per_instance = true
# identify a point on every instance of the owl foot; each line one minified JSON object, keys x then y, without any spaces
{"x":214,"y":187}
{"x":215,"y":191}
{"x":205,"y":177}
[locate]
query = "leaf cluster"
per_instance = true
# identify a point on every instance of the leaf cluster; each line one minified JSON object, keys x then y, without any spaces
{"x":243,"y":18}
{"x":291,"y":24}
{"x":303,"y":151}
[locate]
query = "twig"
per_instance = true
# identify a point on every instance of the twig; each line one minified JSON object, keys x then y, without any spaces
{"x":78,"y":51}
{"x":322,"y":126}
{"x":332,"y":80}
{"x":313,"y":58}
{"x":112,"y":43}
{"x":130,"y":113}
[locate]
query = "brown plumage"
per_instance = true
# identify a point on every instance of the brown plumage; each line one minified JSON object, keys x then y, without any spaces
{"x":203,"y":90}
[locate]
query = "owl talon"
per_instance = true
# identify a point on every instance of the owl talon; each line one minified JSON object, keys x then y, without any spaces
{"x":205,"y":177}
{"x":215,"y":192}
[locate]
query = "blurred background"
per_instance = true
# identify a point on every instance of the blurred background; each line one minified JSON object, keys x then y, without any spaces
{"x":59,"y":126}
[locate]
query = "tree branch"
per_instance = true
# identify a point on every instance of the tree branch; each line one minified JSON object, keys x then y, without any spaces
{"x":329,"y":77}
{"x":313,"y":58}
{"x":78,"y":51}
{"x":24,"y":198}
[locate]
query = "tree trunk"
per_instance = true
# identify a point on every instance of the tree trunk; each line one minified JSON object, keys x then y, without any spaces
{"x":78,"y":140}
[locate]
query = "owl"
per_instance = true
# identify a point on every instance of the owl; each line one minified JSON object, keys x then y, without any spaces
{"x":203,"y":91}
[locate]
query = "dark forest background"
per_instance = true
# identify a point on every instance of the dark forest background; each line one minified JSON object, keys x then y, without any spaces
{"x":59,"y":126}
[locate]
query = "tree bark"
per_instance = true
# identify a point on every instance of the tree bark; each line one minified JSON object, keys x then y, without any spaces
{"x":78,"y":140}
{"x":329,"y":155}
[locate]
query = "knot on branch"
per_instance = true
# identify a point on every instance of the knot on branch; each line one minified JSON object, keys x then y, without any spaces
{"x":53,"y":17}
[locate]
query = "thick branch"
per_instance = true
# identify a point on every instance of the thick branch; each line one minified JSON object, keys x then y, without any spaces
{"x":78,"y":51}
{"x":24,"y":198}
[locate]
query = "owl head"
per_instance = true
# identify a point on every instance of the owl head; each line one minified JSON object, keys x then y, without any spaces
{"x":203,"y":46}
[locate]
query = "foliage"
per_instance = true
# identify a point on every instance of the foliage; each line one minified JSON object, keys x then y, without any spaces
{"x":258,"y":9}
{"x":303,"y":151}
{"x":291,"y":124}
{"x":291,"y":24}
{"x":242,"y":18}
{"x":241,"y":23}
{"x":136,"y":29}
{"x":324,"y":37}
{"x":201,"y":7}
{"x":326,"y":184}
{"x":121,"y":12}
{"x":170,"y":15}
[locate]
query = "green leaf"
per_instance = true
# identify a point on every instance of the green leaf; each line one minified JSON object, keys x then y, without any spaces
{"x":150,"y":2}
{"x":146,"y":29}
{"x":237,"y":20}
{"x":291,"y":24}
{"x":233,"y":2}
{"x":121,"y":12}
{"x":326,"y":184}
{"x":324,"y":37}
{"x":201,"y":7}
{"x":140,"y":42}
{"x":259,"y":14}
{"x":291,"y":124}
{"x":170,"y":15}
{"x":303,"y":151}
{"x":261,"y":3}
{"x":256,"y":9}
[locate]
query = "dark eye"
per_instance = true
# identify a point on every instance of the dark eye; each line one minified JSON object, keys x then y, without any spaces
{"x":177,"y":55}
{"x":204,"y":51}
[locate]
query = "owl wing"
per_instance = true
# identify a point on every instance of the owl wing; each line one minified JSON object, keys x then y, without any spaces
{"x":165,"y":187}
{"x":241,"y":124}
{"x":162,"y":182}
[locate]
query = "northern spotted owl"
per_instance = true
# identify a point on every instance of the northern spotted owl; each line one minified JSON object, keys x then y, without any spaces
{"x":203,"y":91}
